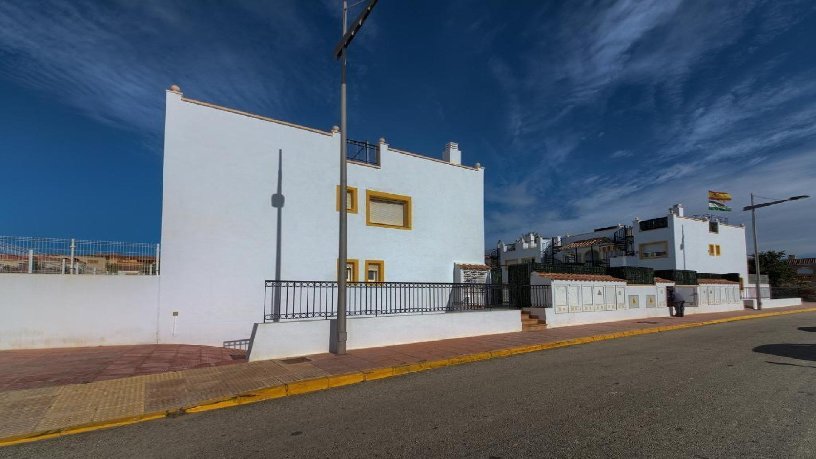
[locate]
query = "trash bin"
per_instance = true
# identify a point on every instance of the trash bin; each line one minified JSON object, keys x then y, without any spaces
{"x":679,"y":308}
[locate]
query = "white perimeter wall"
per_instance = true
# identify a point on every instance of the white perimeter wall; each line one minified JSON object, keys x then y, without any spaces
{"x":577,"y":303}
{"x":46,"y":311}
{"x":219,"y":229}
{"x":587,"y":302}
{"x":710,"y":297}
{"x":296,"y":338}
{"x":768,"y":303}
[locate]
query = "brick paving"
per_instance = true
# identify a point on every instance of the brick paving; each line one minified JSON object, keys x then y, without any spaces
{"x":34,"y":368}
{"x":44,"y":406}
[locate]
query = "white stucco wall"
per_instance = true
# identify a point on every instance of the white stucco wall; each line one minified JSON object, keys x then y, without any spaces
{"x":48,"y":310}
{"x":693,"y":254}
{"x":655,"y":235}
{"x":768,"y":303}
{"x":296,"y":338}
{"x":710,"y":298}
{"x":588,"y":302}
{"x":687,"y":241}
{"x":219,"y":227}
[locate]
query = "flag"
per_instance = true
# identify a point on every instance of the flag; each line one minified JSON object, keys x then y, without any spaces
{"x":716,"y":205}
{"x":719,"y":196}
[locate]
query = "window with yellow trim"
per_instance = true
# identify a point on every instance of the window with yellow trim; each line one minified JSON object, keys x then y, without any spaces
{"x":714,"y":250}
{"x":388,"y":210}
{"x":375,"y":271}
{"x":352,"y":270}
{"x":351,"y":199}
{"x":717,"y":249}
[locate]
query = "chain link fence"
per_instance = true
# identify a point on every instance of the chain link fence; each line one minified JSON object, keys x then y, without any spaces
{"x":36,"y":255}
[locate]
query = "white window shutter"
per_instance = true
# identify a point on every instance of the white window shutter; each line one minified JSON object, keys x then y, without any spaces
{"x":387,"y":212}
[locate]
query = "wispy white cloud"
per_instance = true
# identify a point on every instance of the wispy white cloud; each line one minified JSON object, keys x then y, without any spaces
{"x":782,"y":227}
{"x":113,"y":61}
{"x":699,"y":132}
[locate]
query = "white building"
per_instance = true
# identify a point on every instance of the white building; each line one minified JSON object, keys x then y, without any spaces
{"x":244,"y":193}
{"x":675,"y":241}
{"x":530,"y":247}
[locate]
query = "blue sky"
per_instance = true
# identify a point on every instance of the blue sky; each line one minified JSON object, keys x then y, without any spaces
{"x":584,"y":114}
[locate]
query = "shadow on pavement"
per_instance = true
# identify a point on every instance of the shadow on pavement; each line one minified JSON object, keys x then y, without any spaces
{"x":808,"y":329}
{"x":793,"y":351}
{"x":789,"y":364}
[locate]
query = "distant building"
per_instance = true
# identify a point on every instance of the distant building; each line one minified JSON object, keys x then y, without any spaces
{"x":805,"y":269}
{"x":706,"y":244}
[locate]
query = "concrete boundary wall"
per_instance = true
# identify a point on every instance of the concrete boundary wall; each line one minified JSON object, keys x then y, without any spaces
{"x":51,"y":311}
{"x":582,"y":302}
{"x":297,"y":338}
{"x":768,"y":303}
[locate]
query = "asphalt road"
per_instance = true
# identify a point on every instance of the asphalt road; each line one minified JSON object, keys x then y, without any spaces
{"x":739,"y":389}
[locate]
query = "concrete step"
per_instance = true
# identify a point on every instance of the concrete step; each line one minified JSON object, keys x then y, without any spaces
{"x":539,"y":326}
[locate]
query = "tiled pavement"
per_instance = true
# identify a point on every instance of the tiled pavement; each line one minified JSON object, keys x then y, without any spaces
{"x":34,"y":368}
{"x":61,"y":406}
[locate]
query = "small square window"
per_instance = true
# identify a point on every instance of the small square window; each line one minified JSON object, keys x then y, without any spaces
{"x":375,"y":271}
{"x":713,"y":227}
{"x":351,"y":199}
{"x":351,"y":270}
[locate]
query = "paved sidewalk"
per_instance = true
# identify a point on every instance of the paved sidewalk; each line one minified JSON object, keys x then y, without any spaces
{"x":35,"y":368}
{"x":46,"y":410}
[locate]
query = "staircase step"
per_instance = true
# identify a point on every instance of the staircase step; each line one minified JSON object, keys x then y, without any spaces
{"x":533,"y":327}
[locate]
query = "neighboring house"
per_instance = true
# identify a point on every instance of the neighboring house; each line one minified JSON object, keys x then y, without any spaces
{"x":244,"y":193}
{"x":805,"y":268}
{"x":597,"y":247}
{"x":704,"y":244}
{"x":530,"y":247}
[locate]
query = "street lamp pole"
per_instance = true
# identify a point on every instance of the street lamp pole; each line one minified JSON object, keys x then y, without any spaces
{"x":339,"y":335}
{"x":753,"y":207}
{"x":756,"y":253}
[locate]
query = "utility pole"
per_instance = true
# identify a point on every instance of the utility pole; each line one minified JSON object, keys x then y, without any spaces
{"x":756,"y":253}
{"x":753,"y":207}
{"x":338,"y":340}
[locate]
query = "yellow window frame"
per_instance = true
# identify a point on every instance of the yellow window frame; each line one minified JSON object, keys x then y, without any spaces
{"x":355,"y":269}
{"x":352,"y":191}
{"x":383,"y":196}
{"x":380,"y":264}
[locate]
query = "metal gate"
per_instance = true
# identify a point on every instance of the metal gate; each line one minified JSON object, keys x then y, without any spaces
{"x":518,"y":284}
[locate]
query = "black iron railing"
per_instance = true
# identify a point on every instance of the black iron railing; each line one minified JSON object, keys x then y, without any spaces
{"x":363,"y":152}
{"x":318,"y":299}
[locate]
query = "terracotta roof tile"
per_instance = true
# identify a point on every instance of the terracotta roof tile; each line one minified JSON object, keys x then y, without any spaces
{"x":660,"y":280}
{"x":474,"y":267}
{"x":587,"y":243}
{"x":802,"y":261}
{"x":716,"y":281}
{"x":580,"y":277}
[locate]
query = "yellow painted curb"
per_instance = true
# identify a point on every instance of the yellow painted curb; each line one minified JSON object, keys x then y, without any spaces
{"x":346,"y":379}
{"x":307,"y":385}
{"x":326,"y":382}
